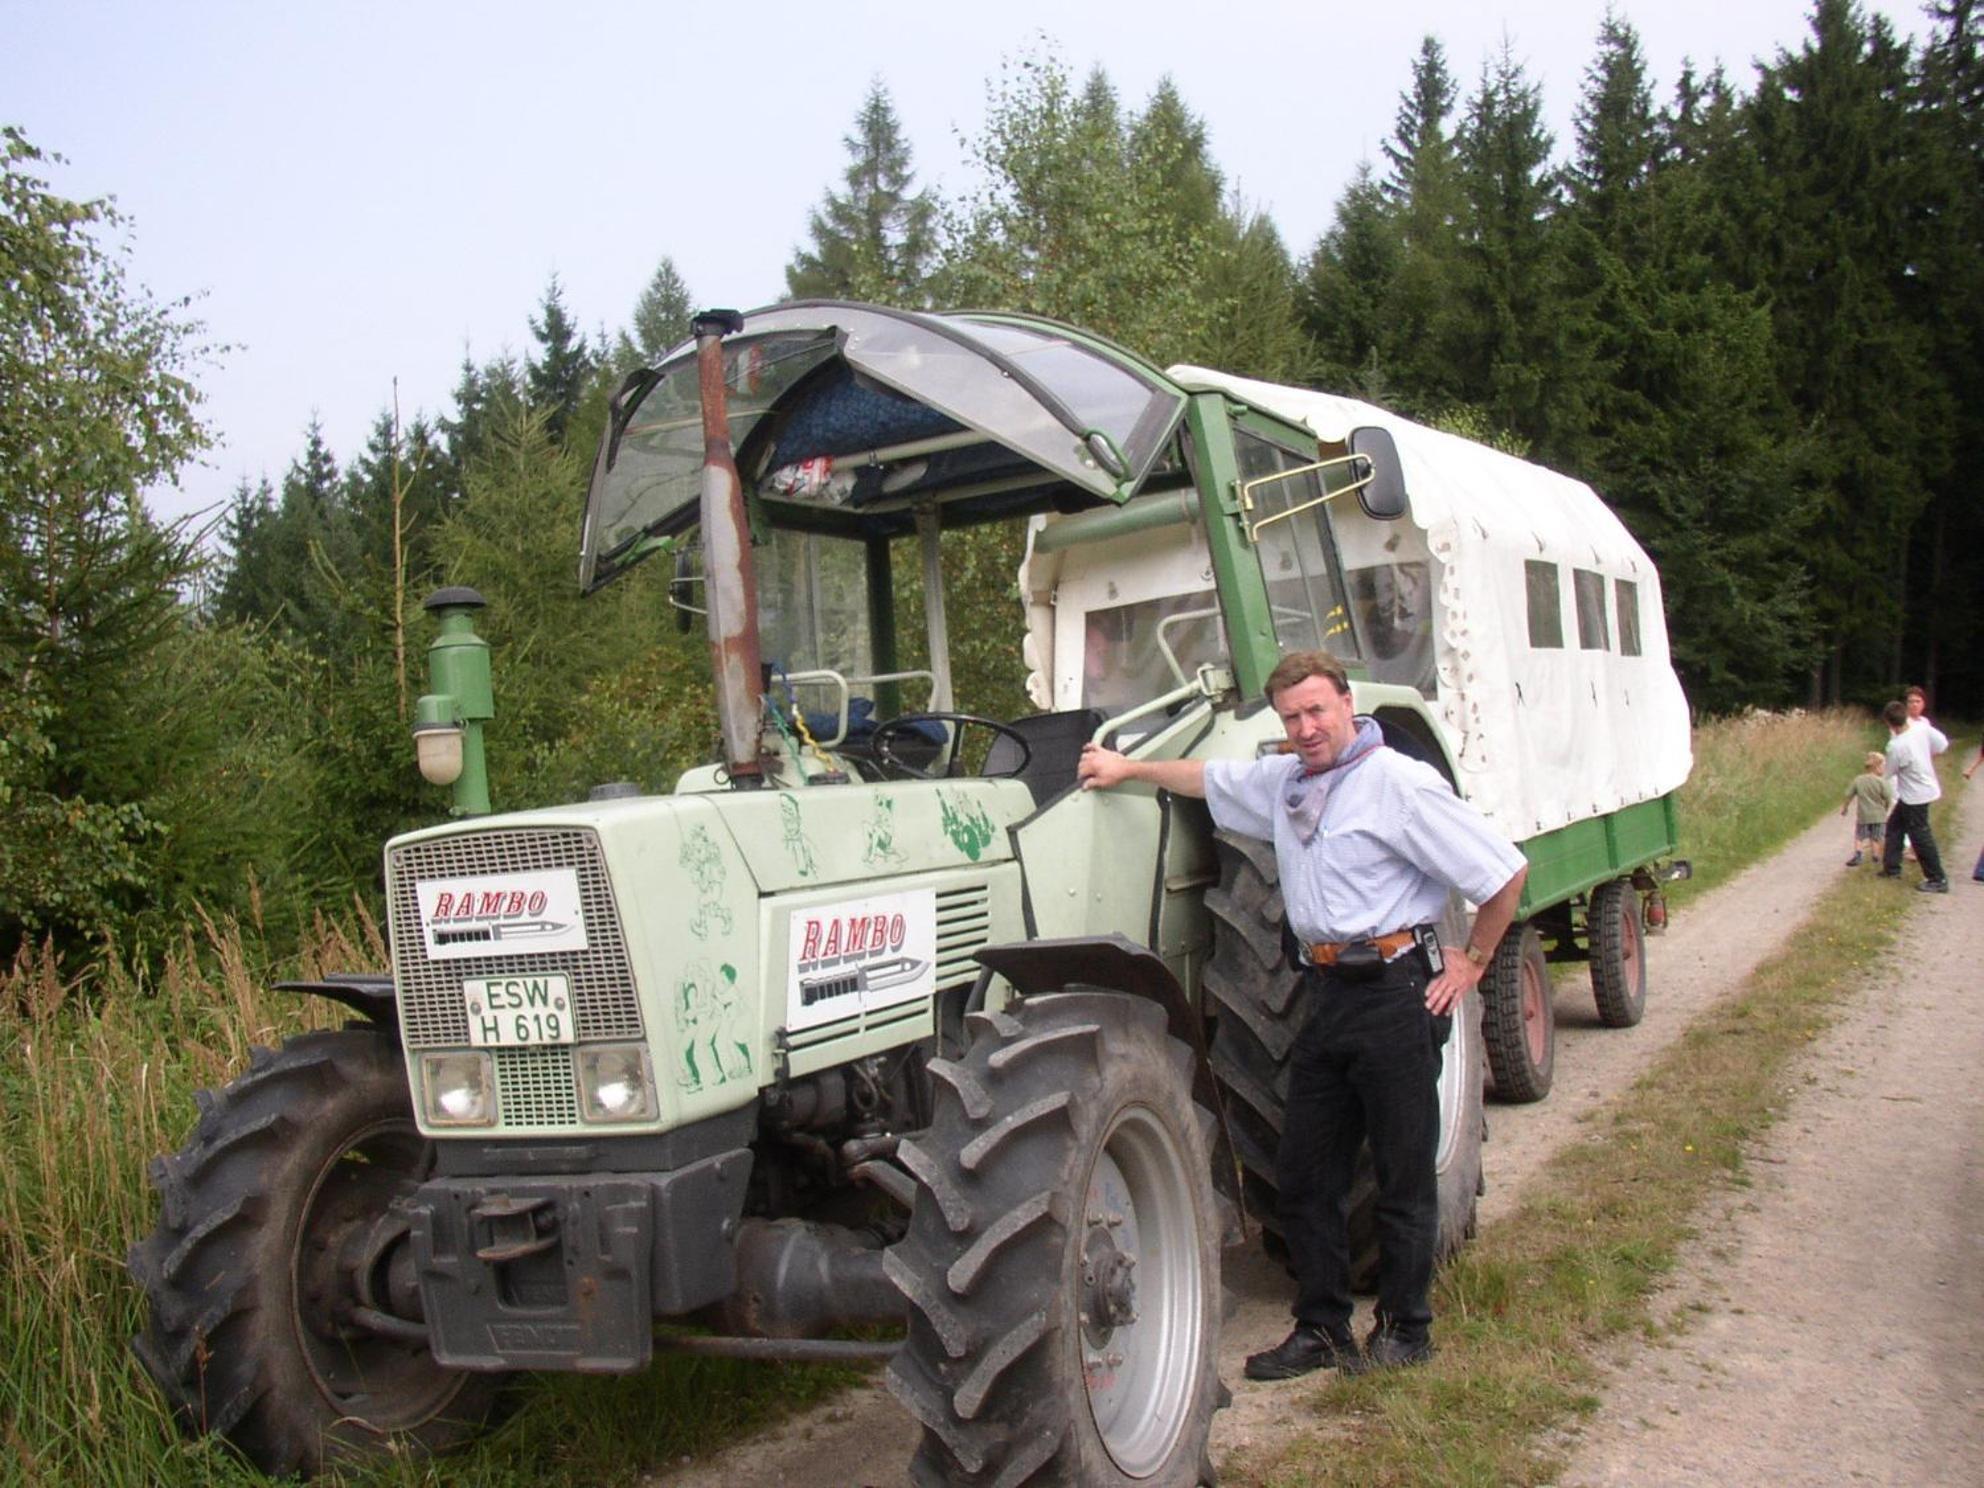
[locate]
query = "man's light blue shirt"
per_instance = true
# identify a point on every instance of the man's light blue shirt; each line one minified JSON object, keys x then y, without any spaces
{"x":1393,"y":839}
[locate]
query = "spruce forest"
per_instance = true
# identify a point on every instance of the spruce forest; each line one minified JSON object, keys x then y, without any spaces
{"x":1745,"y":309}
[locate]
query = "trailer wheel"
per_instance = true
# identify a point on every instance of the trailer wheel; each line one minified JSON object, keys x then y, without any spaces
{"x":1252,"y":995}
{"x":1618,"y":953}
{"x":1519,"y":1023}
{"x":279,"y":1304}
{"x":1062,"y":1259}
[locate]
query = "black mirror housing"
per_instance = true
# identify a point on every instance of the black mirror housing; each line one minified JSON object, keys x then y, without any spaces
{"x":1383,"y":495}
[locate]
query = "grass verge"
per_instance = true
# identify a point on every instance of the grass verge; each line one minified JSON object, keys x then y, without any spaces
{"x":1525,"y":1310}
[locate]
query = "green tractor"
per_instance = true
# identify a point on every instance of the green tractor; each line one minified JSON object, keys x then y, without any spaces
{"x":879,"y":1021}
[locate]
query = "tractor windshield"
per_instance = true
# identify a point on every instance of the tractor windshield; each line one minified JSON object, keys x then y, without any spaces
{"x":650,"y":468}
{"x":874,"y":411}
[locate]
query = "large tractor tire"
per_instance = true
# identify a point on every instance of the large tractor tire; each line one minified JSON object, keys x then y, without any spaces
{"x":281,"y":1308}
{"x":1618,"y":953}
{"x":1253,"y":996}
{"x":1519,"y":1020}
{"x":1062,"y":1259}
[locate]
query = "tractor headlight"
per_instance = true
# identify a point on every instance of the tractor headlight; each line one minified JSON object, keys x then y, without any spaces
{"x":614,"y":1083}
{"x":458,"y":1089}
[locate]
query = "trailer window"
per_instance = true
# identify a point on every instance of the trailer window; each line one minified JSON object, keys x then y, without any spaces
{"x":1629,"y":616}
{"x":1298,"y":557}
{"x":1589,"y":590}
{"x":1546,"y":609}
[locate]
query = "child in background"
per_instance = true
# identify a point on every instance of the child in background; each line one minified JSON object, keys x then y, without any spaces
{"x":1871,"y":796}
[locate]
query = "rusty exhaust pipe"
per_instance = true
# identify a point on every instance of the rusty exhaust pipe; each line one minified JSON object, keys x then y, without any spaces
{"x":730,"y":578}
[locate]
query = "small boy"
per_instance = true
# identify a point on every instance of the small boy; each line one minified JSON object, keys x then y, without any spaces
{"x":1871,"y":796}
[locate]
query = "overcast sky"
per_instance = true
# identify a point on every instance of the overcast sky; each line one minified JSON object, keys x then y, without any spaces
{"x":362,"y":192}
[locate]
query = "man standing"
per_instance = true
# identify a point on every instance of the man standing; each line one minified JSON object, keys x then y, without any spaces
{"x":1368,"y":842}
{"x":1912,"y":745}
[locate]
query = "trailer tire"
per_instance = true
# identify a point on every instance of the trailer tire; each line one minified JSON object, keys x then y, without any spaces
{"x":1519,"y":1021}
{"x":1252,"y":995}
{"x":1062,"y":1259}
{"x":250,"y":1333}
{"x":1618,"y":953}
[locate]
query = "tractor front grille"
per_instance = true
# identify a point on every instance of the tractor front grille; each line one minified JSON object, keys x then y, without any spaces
{"x":535,"y":1087}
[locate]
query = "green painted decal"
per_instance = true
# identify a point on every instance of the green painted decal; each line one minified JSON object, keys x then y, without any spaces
{"x":879,"y":832}
{"x":796,"y":841}
{"x":708,"y":1018}
{"x":965,"y":823}
{"x":702,"y":860}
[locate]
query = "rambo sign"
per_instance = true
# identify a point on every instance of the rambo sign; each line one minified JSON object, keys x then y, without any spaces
{"x":502,"y":914}
{"x":857,"y":955}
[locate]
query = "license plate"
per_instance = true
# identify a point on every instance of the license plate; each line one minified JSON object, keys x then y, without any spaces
{"x":508,"y":1012}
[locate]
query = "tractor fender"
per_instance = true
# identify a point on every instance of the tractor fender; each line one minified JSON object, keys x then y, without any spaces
{"x":1116,"y":963}
{"x":368,"y":993}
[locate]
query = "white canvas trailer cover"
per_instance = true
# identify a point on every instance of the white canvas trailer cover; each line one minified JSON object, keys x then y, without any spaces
{"x":1544,"y":734}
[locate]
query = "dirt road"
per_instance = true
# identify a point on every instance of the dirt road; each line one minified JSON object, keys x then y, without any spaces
{"x":863,"y":1438}
{"x":1842,"y":1339}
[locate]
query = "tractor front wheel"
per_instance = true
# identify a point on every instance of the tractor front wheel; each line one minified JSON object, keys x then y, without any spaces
{"x":1062,"y":1260}
{"x":284,"y":1314}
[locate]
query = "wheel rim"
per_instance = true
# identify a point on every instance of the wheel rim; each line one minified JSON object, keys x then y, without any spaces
{"x":1535,"y":1013}
{"x":1140,"y":1291}
{"x":384,"y":1384}
{"x":1455,"y":1056}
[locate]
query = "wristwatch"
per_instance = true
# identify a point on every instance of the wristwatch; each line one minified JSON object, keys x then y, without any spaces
{"x":1474,"y":953}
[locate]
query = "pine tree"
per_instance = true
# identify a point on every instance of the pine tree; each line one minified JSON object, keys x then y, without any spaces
{"x":1513,"y":357}
{"x":1618,"y":139}
{"x":1854,"y":361}
{"x":556,"y":377}
{"x":875,"y":241}
{"x":1420,"y":150}
{"x":660,"y":323}
{"x":1344,"y":290}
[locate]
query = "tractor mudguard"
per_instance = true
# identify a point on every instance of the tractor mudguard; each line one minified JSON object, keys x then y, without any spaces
{"x":368,"y":993}
{"x":1118,"y":964}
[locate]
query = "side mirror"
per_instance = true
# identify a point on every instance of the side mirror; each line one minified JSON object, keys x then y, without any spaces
{"x":1383,"y":495}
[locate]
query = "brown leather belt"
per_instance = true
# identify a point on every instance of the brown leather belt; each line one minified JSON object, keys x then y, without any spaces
{"x":1325,"y":952}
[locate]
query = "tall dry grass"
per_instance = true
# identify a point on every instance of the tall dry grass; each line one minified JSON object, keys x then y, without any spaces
{"x":1762,"y":778}
{"x":98,"y":1074}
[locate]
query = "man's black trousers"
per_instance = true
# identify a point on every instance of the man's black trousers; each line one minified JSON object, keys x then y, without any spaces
{"x":1911,"y":822}
{"x":1366,"y":1064}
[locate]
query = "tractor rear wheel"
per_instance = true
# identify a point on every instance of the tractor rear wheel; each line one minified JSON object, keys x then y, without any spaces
{"x":1253,"y":996}
{"x":283,"y":1312}
{"x":1062,"y":1259}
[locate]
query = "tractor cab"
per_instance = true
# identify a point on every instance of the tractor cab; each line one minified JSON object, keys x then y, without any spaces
{"x":861,"y":435}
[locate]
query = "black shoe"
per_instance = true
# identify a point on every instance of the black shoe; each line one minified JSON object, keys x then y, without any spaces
{"x":1387,"y":1350}
{"x":1933,"y":886}
{"x":1855,"y":861}
{"x":1890,"y":873}
{"x":1305,"y":1350}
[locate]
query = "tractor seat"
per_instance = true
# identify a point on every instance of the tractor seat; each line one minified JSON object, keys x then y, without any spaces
{"x":1056,"y":740}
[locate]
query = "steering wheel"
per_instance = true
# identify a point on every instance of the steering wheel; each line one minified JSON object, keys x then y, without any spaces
{"x":888,"y":736}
